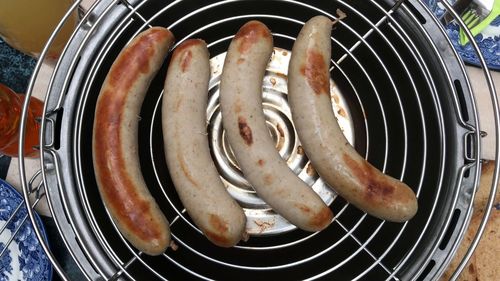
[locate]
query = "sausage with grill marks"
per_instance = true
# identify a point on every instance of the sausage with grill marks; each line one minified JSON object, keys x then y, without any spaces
{"x":115,"y":142}
{"x":187,"y":152}
{"x":244,"y":123}
{"x":335,"y":160}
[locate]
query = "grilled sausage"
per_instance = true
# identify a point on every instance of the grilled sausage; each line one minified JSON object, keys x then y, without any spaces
{"x":115,"y":142}
{"x":335,"y":160}
{"x":247,"y":133}
{"x":191,"y":167}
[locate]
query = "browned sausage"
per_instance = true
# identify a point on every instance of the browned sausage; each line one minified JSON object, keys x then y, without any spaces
{"x":115,"y":142}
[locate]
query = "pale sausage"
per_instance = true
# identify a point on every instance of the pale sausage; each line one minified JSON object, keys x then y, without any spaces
{"x":335,"y":160}
{"x":244,"y":122}
{"x":193,"y":172}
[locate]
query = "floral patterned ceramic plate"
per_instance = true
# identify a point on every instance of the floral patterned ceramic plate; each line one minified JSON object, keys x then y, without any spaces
{"x":488,"y":40}
{"x":24,"y":259}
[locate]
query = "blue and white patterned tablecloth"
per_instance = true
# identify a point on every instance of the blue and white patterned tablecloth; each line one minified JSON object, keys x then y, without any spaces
{"x":488,"y":40}
{"x":24,"y":258}
{"x":15,"y":68}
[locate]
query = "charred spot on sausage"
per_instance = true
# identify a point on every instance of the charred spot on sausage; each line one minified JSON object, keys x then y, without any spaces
{"x":322,"y":218}
{"x":185,"y":170}
{"x":220,"y":228}
{"x":218,"y":223}
{"x":245,"y":130}
{"x":250,"y":33}
{"x":186,"y":60}
{"x":375,"y":186}
{"x":316,"y":72}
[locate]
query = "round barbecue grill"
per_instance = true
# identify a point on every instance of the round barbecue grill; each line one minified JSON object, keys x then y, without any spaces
{"x":401,"y":95}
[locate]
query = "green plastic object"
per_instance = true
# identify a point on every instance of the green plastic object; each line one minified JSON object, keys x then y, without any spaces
{"x":474,"y":23}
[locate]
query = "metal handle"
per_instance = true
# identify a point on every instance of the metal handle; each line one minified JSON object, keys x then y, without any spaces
{"x":22,"y":171}
{"x":494,"y":184}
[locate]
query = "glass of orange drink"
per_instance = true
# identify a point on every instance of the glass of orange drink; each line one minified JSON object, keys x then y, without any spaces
{"x":26,"y":25}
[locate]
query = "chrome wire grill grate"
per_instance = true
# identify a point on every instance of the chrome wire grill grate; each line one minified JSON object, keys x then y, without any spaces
{"x":400,"y":92}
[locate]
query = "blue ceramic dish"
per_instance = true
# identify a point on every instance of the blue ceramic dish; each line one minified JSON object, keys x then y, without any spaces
{"x":24,"y":259}
{"x":488,"y":40}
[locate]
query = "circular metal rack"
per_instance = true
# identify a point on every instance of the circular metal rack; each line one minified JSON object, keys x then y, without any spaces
{"x":401,"y":94}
